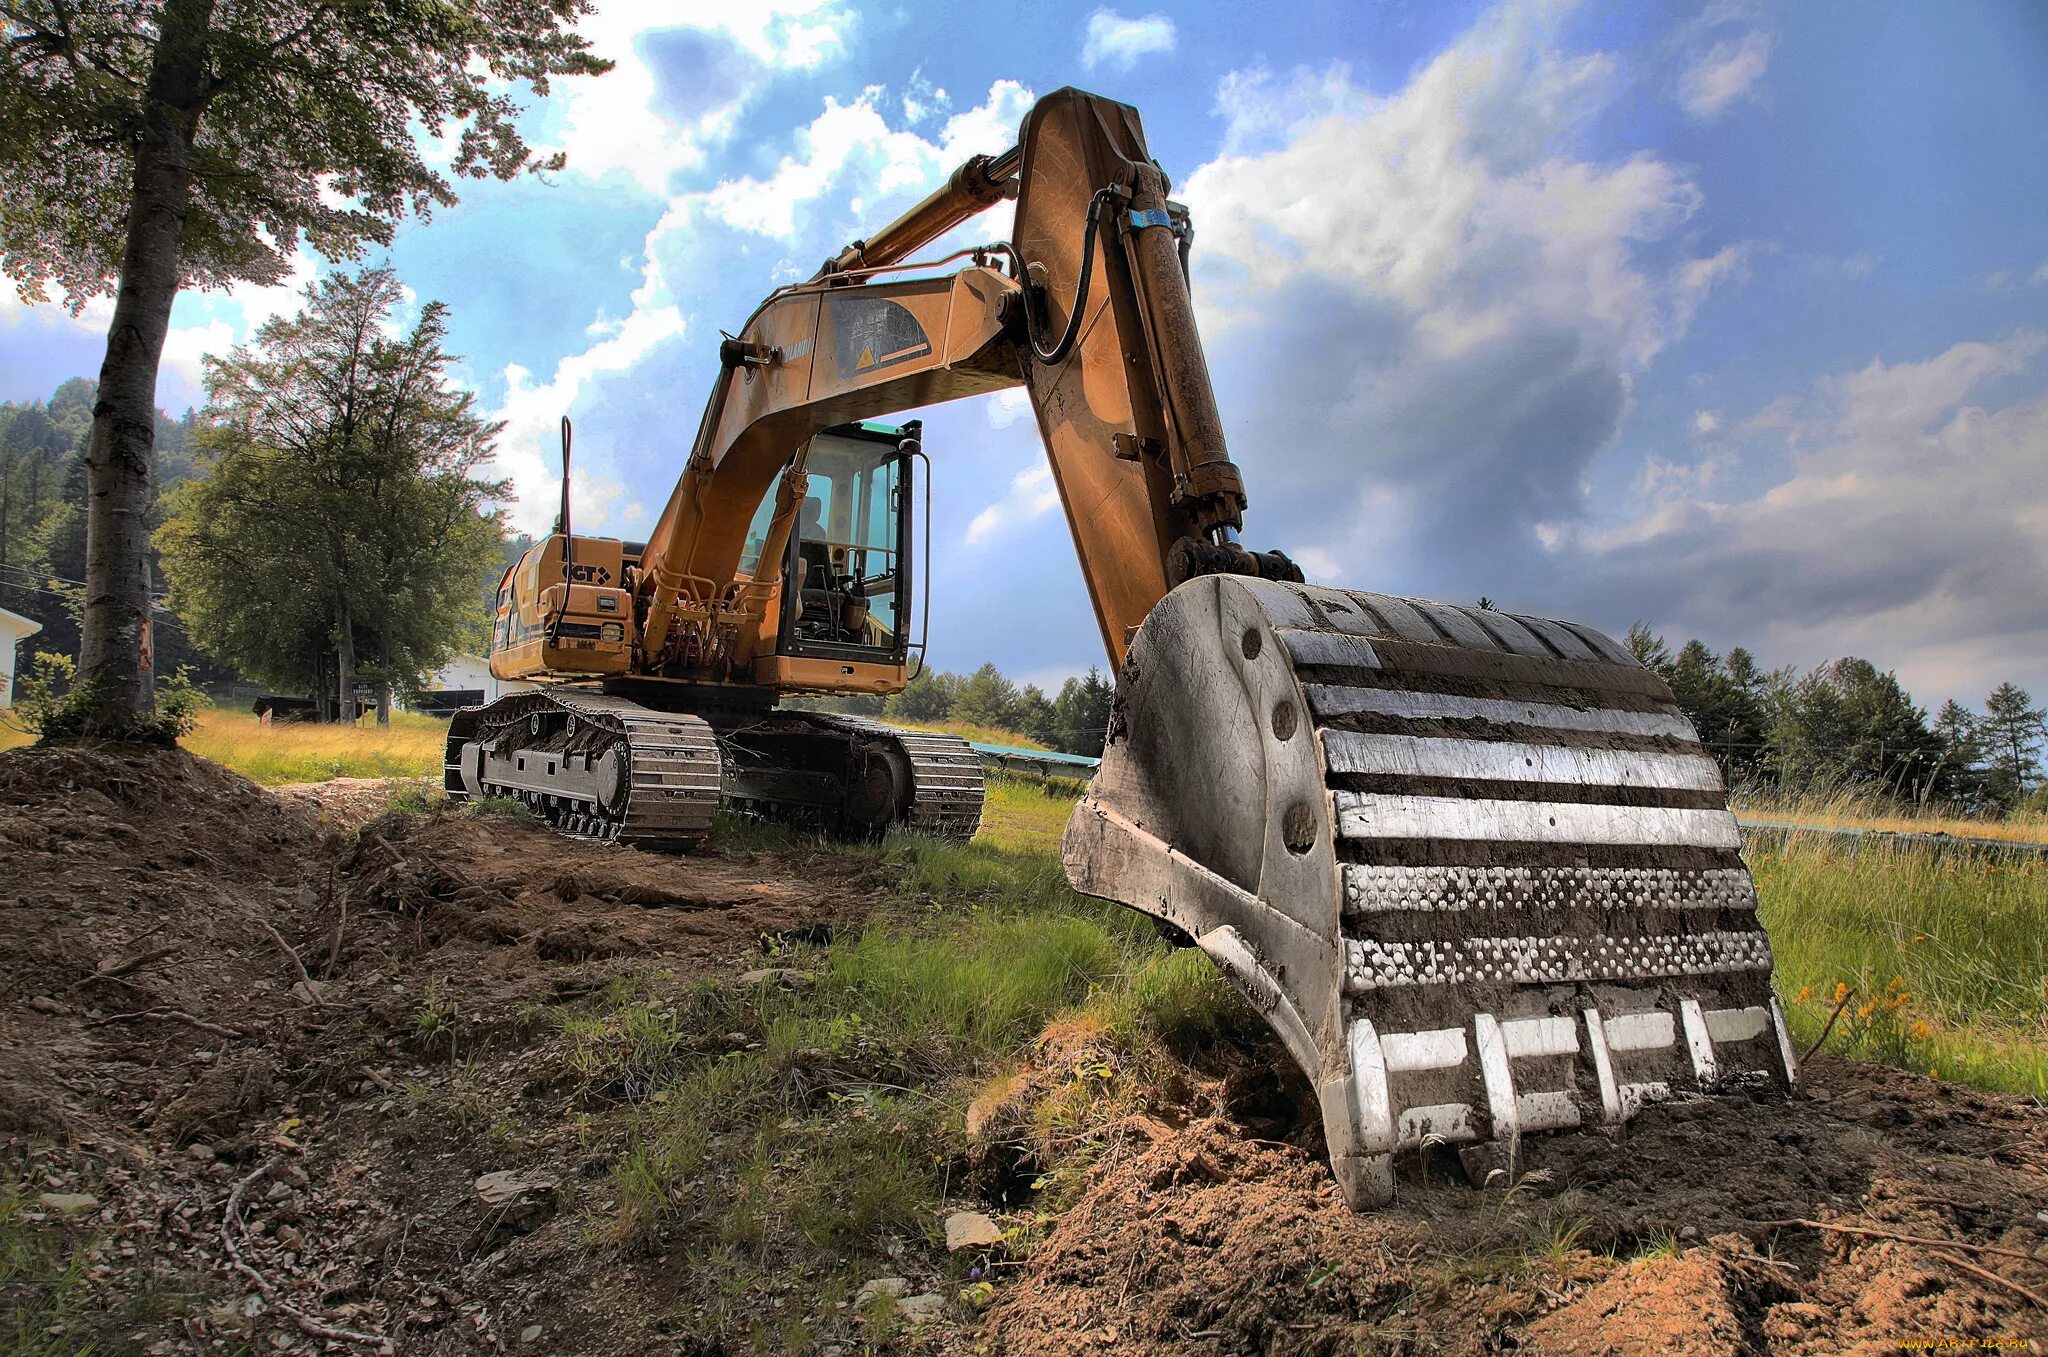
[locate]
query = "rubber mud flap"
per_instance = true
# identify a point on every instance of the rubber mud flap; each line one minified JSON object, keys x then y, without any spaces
{"x":1474,"y":867}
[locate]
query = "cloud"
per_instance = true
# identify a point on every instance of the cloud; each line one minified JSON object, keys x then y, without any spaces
{"x":1912,"y":528}
{"x":849,"y":171}
{"x":529,"y":447}
{"x":2040,"y":275}
{"x":1720,"y":67}
{"x":1705,"y":422}
{"x":849,"y":154}
{"x":1032,"y":495}
{"x":622,"y":123}
{"x":1113,"y":40}
{"x":1434,"y":303}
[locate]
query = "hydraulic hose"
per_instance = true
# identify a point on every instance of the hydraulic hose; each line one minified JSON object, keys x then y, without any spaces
{"x":1059,"y":351}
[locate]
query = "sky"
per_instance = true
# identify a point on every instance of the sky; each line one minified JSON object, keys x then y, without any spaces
{"x":1730,"y":319}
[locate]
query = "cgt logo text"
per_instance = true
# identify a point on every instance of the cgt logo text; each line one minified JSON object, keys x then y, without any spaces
{"x":587,"y":574}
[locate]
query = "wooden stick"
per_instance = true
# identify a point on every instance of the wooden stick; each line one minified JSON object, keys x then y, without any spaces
{"x":1988,"y":1275}
{"x":1940,"y":1245}
{"x":289,"y":951}
{"x":340,"y":925}
{"x":169,"y":1015}
{"x":230,"y":1219}
{"x":114,"y":970}
{"x":1820,"y":1040}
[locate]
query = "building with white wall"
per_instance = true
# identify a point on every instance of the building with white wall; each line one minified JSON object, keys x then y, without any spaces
{"x":467,"y":679}
{"x":14,"y":629}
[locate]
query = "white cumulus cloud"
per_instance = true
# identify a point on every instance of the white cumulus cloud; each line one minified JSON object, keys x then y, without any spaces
{"x":1032,"y":495}
{"x":1723,"y":55}
{"x":1435,"y":301}
{"x":1113,"y":40}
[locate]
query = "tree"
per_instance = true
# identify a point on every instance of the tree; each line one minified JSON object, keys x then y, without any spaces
{"x":343,"y":517}
{"x":1081,"y":714}
{"x":149,"y":145}
{"x":1959,"y":773}
{"x":1725,"y":710}
{"x":1033,"y":715}
{"x":987,"y":699}
{"x":1848,"y":726}
{"x":1648,"y":647}
{"x":2012,"y":731}
{"x":927,"y":697}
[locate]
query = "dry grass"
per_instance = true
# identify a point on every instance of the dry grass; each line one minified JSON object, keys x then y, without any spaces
{"x":1846,"y":810}
{"x":979,"y":734}
{"x":290,"y":751}
{"x":293,"y":751}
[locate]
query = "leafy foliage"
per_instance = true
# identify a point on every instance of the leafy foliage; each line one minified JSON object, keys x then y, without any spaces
{"x":343,"y":514}
{"x":51,"y":702}
{"x":304,"y":118}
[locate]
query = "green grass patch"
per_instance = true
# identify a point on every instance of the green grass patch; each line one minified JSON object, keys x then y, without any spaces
{"x":1947,"y":955}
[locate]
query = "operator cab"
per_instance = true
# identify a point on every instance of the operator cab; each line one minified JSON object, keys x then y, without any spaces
{"x":845,"y":578}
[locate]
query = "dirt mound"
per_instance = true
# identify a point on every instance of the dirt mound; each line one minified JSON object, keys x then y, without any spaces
{"x":142,"y":890}
{"x":1664,"y":1242}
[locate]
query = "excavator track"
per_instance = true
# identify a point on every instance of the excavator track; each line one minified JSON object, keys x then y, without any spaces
{"x":851,"y":776}
{"x":945,"y":776}
{"x":1475,"y":868}
{"x":602,"y":767}
{"x":591,"y":765}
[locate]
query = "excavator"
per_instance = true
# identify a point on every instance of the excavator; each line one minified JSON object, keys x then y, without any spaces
{"x":1474,"y":868}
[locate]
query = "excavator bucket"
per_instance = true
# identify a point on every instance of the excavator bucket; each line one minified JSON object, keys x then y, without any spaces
{"x":1474,"y":868}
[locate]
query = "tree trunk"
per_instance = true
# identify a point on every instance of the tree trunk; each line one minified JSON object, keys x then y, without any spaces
{"x":118,"y":454}
{"x":345,"y":666}
{"x":383,"y":704}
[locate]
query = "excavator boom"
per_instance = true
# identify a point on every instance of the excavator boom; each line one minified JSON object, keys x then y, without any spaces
{"x":1474,"y":867}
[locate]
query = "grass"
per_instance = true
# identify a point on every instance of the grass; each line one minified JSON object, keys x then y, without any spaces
{"x":293,"y":751}
{"x":50,"y":1303}
{"x":1947,"y":955}
{"x":981,"y":734}
{"x":815,"y":1127}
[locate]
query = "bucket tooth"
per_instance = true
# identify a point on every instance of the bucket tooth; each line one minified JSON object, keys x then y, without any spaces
{"x":1474,"y":868}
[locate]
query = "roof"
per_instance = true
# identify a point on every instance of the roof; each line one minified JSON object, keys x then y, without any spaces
{"x":17,"y":626}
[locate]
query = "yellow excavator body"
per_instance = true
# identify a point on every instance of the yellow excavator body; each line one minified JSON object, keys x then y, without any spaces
{"x":1474,"y":867}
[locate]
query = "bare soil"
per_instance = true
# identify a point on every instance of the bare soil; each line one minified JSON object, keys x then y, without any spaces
{"x":251,"y":1025}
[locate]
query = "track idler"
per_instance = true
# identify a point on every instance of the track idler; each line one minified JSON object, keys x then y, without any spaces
{"x":1474,"y":868}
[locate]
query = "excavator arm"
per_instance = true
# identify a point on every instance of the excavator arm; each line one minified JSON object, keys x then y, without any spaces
{"x":1087,"y":308}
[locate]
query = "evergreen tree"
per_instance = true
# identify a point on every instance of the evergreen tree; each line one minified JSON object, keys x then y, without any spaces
{"x":1648,"y":648}
{"x":987,"y":699}
{"x":1034,"y":716}
{"x":1959,"y":775}
{"x":1848,"y":726}
{"x":1081,"y":714}
{"x":927,"y":697}
{"x":2012,"y":731}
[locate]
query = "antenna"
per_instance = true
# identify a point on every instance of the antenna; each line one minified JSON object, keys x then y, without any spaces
{"x":568,"y":541}
{"x":563,"y":522}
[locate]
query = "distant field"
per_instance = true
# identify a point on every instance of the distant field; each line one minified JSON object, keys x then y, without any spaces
{"x":291,"y":751}
{"x":1848,"y":812}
